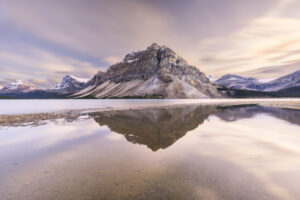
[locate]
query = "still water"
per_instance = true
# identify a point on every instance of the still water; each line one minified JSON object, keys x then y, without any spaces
{"x":188,"y":152}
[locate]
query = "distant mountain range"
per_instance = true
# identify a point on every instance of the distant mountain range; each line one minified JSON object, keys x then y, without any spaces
{"x":157,"y":72}
{"x":18,"y":86}
{"x":248,"y":83}
{"x":286,"y":86}
{"x":22,"y":89}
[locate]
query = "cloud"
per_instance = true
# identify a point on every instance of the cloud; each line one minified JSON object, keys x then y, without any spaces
{"x":264,"y":43}
{"x":40,"y":65}
{"x":276,"y":71}
{"x":41,"y":40}
{"x":112,"y":60}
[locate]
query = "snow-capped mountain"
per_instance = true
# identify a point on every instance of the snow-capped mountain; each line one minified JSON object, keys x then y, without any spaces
{"x":247,"y":83}
{"x":18,"y":86}
{"x":69,"y":84}
{"x":155,"y":72}
{"x":285,"y":82}
{"x":1,"y":87}
{"x":238,"y":82}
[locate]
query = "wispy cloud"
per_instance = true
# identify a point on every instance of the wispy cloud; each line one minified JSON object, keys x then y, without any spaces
{"x":42,"y":40}
{"x":39,"y":65}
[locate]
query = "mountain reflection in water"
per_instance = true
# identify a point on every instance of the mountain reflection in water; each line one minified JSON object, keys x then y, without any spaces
{"x":186,"y":152}
{"x":159,"y":128}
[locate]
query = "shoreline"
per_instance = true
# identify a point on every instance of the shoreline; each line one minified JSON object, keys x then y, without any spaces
{"x":35,"y":119}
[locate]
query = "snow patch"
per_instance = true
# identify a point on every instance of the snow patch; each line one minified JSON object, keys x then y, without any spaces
{"x":83,"y":80}
{"x":132,"y":53}
{"x":133,"y":60}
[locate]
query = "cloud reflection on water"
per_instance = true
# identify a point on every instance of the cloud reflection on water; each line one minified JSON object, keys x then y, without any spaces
{"x":187,"y":152}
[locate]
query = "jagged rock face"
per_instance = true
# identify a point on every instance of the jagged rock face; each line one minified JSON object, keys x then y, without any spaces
{"x":158,"y":70}
{"x":69,"y":84}
{"x":18,"y":86}
{"x":98,"y":79}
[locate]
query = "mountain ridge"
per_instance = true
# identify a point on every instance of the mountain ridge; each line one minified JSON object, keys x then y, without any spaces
{"x":232,"y":81}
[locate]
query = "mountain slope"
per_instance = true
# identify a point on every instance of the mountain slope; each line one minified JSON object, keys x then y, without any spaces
{"x":247,"y":83}
{"x":157,"y":71}
{"x":18,"y":86}
{"x":285,"y":82}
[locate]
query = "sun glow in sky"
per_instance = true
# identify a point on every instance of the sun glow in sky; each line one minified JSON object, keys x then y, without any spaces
{"x":43,"y":40}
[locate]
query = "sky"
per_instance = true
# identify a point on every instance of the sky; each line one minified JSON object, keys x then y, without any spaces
{"x":43,"y":40}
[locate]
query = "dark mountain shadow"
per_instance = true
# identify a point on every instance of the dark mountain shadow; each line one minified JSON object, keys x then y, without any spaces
{"x":242,"y":112}
{"x":157,"y":128}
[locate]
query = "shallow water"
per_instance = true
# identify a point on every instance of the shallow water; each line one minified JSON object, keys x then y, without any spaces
{"x":191,"y":152}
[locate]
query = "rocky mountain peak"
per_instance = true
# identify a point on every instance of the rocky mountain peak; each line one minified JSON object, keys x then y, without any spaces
{"x":157,"y":65}
{"x":155,"y":60}
{"x":153,"y":47}
{"x":70,"y":84}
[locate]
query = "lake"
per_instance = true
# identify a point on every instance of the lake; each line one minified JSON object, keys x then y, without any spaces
{"x":192,"y":151}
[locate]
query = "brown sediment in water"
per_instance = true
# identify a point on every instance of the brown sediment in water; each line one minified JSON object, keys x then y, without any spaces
{"x":35,"y":119}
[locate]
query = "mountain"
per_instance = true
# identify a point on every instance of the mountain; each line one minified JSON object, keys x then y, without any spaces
{"x":285,"y":82}
{"x":18,"y":86}
{"x":1,"y":87}
{"x":247,"y":83}
{"x":69,"y":84}
{"x":23,"y":90}
{"x":238,"y":82}
{"x":157,"y":72}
